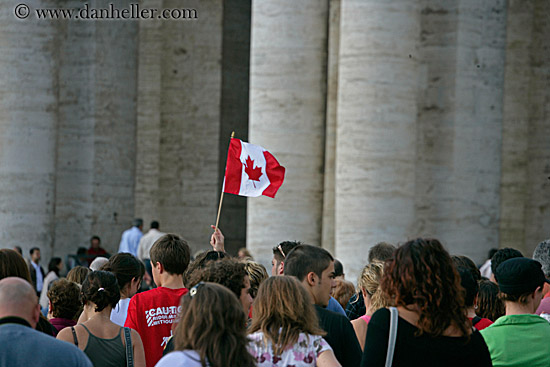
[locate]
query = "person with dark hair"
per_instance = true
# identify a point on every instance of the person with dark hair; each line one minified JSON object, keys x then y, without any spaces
{"x":148,"y":240}
{"x":21,"y":345}
{"x":432,"y":325}
{"x":542,"y":255}
{"x":54,"y":267}
{"x":129,"y":273}
{"x":285,"y":329}
{"x":519,"y":338}
{"x":211,"y":331}
{"x":339,"y":270}
{"x":18,"y":249}
{"x":501,"y":256}
{"x":103,"y":341}
{"x":78,"y":274}
{"x":37,"y":272}
{"x":489,"y":304}
{"x":95,"y":250}
{"x":462,"y":261}
{"x":13,"y":265}
{"x":471,"y":288}
{"x":380,"y":252}
{"x":201,"y":261}
{"x":152,"y":313}
{"x":130,"y":238}
{"x":230,"y":273}
{"x":314,"y":268}
{"x":64,"y":304}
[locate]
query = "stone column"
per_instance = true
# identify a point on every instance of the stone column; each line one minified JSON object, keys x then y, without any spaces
{"x":287,"y":117}
{"x":525,"y":203}
{"x":375,"y":146}
{"x":28,"y":128}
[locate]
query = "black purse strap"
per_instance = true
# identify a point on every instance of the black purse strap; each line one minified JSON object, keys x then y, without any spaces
{"x":74,"y":336}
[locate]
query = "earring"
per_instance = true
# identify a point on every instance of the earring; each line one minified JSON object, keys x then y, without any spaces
{"x":475,"y":307}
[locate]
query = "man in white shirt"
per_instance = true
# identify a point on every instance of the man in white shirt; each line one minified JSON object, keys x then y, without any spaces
{"x":147,"y":241}
{"x":130,"y":238}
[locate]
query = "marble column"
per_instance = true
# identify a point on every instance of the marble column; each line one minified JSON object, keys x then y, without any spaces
{"x":375,"y":145}
{"x":287,"y":117}
{"x":28,"y":128}
{"x":525,"y":203}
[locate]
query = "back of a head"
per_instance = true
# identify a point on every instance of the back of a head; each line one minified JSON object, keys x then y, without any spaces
{"x":304,"y":259}
{"x":213,"y":324}
{"x":78,"y":274}
{"x":338,"y":268}
{"x":465,"y":262}
{"x":501,"y":256}
{"x":369,"y":282}
{"x":200,"y":262}
{"x":489,"y":304}
{"x":228,"y":272}
{"x":12,"y":264}
{"x":542,"y":255}
{"x":283,"y":249}
{"x":172,"y":252}
{"x":53,"y":265}
{"x":98,"y":263}
{"x":518,"y":278}
{"x":18,"y":298}
{"x":422,"y":273}
{"x":64,"y":296}
{"x":470,"y":285}
{"x":155,"y":225}
{"x":382,"y":251}
{"x":257,"y":274}
{"x":125,"y":267}
{"x":101,"y":288}
{"x":343,"y":291}
{"x":283,"y":306}
{"x":138,"y":222}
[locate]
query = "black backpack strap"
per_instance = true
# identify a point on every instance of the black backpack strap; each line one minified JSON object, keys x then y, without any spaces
{"x":74,"y":336}
{"x":129,"y":350}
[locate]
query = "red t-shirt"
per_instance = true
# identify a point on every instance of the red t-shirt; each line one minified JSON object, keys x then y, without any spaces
{"x":151,"y":314}
{"x":482,"y":323}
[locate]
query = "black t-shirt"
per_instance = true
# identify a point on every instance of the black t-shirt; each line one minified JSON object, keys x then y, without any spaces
{"x":423,"y":350}
{"x":340,"y":336}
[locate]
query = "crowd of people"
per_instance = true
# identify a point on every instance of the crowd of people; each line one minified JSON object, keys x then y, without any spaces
{"x":151,"y":304}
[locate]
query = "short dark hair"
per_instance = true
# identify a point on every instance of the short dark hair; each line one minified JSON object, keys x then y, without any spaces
{"x":65,"y":298}
{"x":462,"y":261}
{"x":101,"y":288}
{"x":304,"y":259}
{"x":54,"y":265}
{"x":501,"y":256}
{"x":138,"y":222}
{"x":155,"y":224}
{"x":470,"y":285}
{"x":172,"y":252}
{"x":382,"y":251}
{"x":338,"y":268}
{"x":228,"y":272}
{"x":281,"y":251}
{"x":32,"y":250}
{"x":125,"y":267}
{"x":95,"y":238}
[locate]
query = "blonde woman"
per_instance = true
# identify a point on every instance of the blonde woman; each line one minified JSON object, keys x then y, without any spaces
{"x":369,"y":285}
{"x":285,"y":330}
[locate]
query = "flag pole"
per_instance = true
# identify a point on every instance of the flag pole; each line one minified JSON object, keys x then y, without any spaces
{"x":221,"y":197}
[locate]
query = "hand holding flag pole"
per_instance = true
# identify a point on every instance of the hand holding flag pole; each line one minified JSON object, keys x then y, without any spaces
{"x":251,"y":171}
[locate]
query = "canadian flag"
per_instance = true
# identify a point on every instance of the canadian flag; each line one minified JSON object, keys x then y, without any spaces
{"x":251,"y":170}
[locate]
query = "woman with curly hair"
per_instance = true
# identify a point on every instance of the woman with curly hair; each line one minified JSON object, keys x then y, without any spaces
{"x":432,"y":325}
{"x":285,"y":330}
{"x":64,"y":304}
{"x":211,"y":331}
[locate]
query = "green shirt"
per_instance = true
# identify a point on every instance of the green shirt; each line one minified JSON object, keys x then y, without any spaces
{"x":519,"y":340}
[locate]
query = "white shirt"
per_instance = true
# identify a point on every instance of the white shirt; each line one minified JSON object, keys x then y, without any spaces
{"x":120,"y":312}
{"x":186,"y":358}
{"x":39,"y":277}
{"x":147,"y":241}
{"x":50,"y":278}
{"x":130,"y":241}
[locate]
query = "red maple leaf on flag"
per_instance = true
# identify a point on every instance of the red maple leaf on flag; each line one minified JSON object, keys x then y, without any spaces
{"x":254,"y":174}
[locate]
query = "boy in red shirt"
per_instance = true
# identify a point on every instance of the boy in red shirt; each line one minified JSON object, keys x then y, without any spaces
{"x":152,"y":313}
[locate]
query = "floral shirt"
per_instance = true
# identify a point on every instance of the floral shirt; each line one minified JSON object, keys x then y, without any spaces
{"x":303,"y":353}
